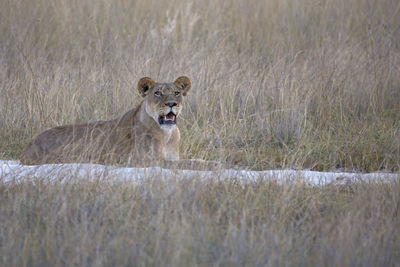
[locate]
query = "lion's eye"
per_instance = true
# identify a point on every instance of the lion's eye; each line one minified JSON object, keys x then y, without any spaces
{"x":177,"y":93}
{"x":157,"y":93}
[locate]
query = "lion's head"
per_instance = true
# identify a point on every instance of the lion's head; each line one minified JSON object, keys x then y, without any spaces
{"x":163,"y":101}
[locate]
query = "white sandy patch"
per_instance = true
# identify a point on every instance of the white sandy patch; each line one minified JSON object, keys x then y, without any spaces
{"x":12,"y":171}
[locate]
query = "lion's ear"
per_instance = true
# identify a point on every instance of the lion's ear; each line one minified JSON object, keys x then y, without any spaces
{"x":184,"y":83}
{"x":145,"y":85}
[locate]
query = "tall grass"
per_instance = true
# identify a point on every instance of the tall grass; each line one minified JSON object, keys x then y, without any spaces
{"x":178,"y":222}
{"x":304,"y":83}
{"x":277,"y":83}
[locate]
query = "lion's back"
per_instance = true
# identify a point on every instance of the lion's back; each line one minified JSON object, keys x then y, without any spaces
{"x":65,"y":143}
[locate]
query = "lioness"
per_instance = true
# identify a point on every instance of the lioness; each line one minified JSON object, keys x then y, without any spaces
{"x":146,"y":132}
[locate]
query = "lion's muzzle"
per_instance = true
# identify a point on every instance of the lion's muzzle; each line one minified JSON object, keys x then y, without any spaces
{"x":168,"y":119}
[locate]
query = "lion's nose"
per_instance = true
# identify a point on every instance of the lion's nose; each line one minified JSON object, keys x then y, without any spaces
{"x":171,"y":104}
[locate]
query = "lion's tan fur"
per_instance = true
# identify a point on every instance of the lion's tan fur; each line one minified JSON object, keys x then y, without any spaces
{"x":135,"y":137}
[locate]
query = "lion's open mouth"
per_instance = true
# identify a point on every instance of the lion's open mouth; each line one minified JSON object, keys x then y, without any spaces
{"x":170,"y":118}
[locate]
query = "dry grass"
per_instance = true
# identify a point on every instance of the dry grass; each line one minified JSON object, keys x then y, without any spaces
{"x":278,"y":83}
{"x":302,"y":83}
{"x":177,"y":222}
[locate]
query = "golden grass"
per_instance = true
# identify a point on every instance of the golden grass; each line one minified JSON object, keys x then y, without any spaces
{"x":302,"y":83}
{"x":178,"y":222}
{"x":278,"y":83}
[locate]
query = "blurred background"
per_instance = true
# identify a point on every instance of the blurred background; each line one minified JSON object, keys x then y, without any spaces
{"x":277,"y":83}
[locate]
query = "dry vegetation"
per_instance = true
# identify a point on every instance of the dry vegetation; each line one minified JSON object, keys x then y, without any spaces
{"x":187,"y":223}
{"x":277,"y":83}
{"x":302,"y":83}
